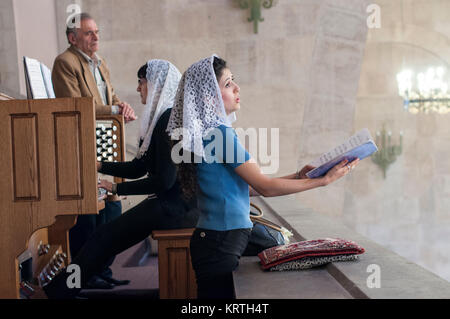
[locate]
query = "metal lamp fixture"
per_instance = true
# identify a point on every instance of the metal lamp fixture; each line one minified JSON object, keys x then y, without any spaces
{"x":427,"y":92}
{"x":255,"y":10}
{"x":387,"y":152}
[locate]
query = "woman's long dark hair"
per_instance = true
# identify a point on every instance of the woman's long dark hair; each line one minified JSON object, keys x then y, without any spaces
{"x":187,"y":173}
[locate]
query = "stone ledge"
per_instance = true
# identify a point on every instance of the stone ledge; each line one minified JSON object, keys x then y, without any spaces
{"x":400,"y":278}
{"x":250,"y":282}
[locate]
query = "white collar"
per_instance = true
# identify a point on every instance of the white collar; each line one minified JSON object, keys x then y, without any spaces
{"x":96,"y":60}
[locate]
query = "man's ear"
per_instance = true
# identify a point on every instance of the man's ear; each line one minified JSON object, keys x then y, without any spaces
{"x":72,"y":38}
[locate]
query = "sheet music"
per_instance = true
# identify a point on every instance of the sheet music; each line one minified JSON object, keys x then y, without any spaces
{"x":359,"y":146}
{"x":47,"y":75}
{"x":359,"y":138}
{"x":35,"y":78}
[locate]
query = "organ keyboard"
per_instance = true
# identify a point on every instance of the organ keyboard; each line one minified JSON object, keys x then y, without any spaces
{"x":110,"y":139}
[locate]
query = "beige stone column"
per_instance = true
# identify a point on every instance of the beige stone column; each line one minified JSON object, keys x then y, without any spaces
{"x":328,"y":119}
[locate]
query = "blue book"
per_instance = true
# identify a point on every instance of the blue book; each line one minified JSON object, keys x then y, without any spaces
{"x":360,"y":145}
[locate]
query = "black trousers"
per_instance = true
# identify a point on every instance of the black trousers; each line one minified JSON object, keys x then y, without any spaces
{"x":86,"y":226}
{"x":215,"y":255}
{"x":116,"y":236}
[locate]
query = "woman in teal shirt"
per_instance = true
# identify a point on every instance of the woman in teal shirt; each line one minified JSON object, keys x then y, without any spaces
{"x":222,"y":174}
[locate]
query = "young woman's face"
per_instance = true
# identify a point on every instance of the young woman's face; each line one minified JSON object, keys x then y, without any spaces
{"x":230,"y":92}
{"x":143,"y":90}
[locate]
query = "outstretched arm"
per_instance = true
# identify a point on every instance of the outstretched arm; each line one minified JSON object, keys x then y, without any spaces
{"x":269,"y":187}
{"x":298,"y":175}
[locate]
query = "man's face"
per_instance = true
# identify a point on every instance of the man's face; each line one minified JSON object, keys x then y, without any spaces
{"x":86,"y":38}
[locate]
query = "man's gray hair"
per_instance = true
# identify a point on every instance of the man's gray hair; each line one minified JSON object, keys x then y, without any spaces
{"x":72,"y":23}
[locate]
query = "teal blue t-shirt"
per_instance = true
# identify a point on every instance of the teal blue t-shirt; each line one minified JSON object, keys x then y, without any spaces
{"x":222,"y":195}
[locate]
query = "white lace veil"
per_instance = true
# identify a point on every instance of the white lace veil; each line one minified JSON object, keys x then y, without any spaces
{"x":162,"y":83}
{"x":198,"y":107}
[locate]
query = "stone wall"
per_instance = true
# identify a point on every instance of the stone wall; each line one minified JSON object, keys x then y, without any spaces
{"x":9,"y":76}
{"x":35,"y":30}
{"x":27,"y":28}
{"x":330,"y":105}
{"x":408,"y":211}
{"x":279,"y":70}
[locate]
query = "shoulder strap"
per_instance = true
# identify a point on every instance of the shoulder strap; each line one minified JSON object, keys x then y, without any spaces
{"x":261,"y":220}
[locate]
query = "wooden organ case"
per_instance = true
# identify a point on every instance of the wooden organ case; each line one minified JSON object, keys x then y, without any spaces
{"x":48,"y":152}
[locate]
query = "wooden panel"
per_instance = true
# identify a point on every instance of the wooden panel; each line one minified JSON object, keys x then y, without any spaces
{"x":68,"y":155}
{"x":19,"y":219}
{"x":13,"y":221}
{"x":178,"y":277}
{"x":25,"y":157}
{"x":39,"y":237}
{"x":58,"y":233}
{"x":183,"y":233}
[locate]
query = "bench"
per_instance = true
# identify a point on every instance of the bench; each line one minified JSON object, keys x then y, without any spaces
{"x":176,"y":275}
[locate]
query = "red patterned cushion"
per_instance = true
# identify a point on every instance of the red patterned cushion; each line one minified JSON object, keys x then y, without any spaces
{"x":317,"y":247}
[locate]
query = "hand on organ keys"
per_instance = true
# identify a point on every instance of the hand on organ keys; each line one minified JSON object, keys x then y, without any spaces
{"x":102,"y":193}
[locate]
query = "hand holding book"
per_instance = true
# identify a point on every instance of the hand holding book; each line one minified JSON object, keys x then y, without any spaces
{"x":301,"y":174}
{"x":339,"y":170}
{"x":359,"y":146}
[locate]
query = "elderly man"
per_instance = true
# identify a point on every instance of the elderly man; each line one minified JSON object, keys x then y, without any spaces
{"x":80,"y":72}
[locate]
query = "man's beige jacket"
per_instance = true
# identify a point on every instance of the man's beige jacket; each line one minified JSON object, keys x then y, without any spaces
{"x":72,"y":77}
